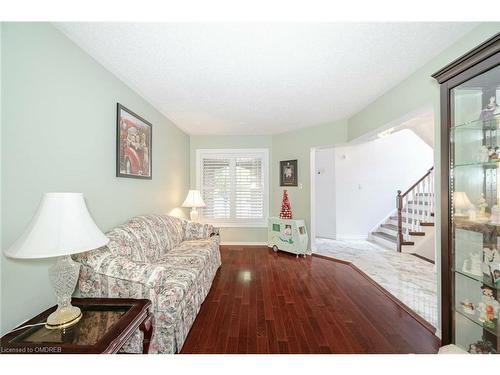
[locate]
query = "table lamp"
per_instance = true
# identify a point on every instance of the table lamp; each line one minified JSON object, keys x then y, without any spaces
{"x":461,"y":203}
{"x":61,"y":226}
{"x":194,"y":200}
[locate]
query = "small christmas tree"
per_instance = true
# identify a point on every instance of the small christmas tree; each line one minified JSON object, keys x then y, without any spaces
{"x":286,"y":209}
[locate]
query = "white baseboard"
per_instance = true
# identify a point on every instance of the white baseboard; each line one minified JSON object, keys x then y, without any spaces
{"x":352,"y":237}
{"x":326,"y":237}
{"x":243,"y":243}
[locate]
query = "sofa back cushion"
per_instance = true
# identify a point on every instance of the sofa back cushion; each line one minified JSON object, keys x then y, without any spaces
{"x":124,"y":243}
{"x":147,"y":238}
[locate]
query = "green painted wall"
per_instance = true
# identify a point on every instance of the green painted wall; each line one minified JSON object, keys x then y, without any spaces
{"x":297,"y":145}
{"x":419,"y":91}
{"x":290,"y":145}
{"x":247,"y":141}
{"x":58,"y":123}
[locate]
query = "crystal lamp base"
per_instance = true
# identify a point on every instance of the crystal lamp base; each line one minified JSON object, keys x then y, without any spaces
{"x":63,"y":317}
{"x":194,"y":215}
{"x":64,"y":276}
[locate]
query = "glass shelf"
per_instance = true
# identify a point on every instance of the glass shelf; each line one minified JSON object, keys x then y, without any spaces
{"x":491,"y":124}
{"x":484,"y":226}
{"x":474,"y":319}
{"x":485,"y":164}
{"x":483,"y":280}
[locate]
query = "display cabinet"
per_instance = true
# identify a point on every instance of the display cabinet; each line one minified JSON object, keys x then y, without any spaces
{"x":470,"y":199}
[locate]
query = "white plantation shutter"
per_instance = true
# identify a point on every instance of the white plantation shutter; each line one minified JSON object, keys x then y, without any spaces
{"x":216,"y":191}
{"x":249,"y":188}
{"x":234,"y":186}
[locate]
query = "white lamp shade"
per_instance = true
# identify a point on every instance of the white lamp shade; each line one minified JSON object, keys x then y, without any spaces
{"x":194,"y":199}
{"x":61,"y":226}
{"x":461,"y":201}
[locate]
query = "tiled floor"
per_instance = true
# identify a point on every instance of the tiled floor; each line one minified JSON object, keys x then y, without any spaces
{"x":410,"y":279}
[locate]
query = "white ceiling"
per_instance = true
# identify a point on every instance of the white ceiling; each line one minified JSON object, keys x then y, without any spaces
{"x":252,"y":78}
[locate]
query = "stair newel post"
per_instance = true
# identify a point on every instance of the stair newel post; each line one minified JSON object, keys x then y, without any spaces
{"x":399,"y":206}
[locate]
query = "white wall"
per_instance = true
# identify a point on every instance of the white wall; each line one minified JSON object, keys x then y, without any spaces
{"x":368,"y":175}
{"x":325,"y":193}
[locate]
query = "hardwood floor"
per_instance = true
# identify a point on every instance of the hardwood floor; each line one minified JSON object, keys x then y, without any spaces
{"x":262,"y":302}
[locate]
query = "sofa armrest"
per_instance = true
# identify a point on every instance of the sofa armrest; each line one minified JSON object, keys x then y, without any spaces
{"x":198,"y":231}
{"x":103,"y":262}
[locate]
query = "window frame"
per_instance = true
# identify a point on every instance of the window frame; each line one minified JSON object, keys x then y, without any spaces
{"x":233,"y":153}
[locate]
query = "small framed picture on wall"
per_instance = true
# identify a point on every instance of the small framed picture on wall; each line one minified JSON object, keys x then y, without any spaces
{"x":288,"y":173}
{"x":134,"y":139}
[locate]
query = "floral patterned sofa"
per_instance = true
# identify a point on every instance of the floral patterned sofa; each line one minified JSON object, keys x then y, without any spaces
{"x":168,"y":260}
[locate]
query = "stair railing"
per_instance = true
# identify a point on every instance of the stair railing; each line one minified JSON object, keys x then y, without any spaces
{"x":424,"y":187}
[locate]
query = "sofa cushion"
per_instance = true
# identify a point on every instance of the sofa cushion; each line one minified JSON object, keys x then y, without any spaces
{"x":196,"y":251}
{"x":182,"y":268}
{"x":197,"y":231}
{"x":154,"y":235}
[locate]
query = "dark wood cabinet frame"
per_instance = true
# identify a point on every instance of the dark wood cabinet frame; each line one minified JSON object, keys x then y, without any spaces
{"x":481,"y":59}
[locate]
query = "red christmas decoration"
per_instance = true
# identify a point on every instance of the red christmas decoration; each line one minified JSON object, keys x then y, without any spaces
{"x":286,"y":209}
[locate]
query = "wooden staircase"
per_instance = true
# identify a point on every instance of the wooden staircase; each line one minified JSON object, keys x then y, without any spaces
{"x":411,"y":219}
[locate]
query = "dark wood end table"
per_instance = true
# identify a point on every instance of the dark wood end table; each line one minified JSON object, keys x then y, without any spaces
{"x":106,"y":325}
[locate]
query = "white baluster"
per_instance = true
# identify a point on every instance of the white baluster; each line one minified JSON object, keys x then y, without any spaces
{"x":419,"y":190}
{"x":407,"y":216}
{"x":429,"y":198}
{"x":412,"y":210}
{"x":423,"y":190}
{"x":425,"y":199}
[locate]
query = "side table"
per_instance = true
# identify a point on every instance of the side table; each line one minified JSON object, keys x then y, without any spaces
{"x":106,"y":325}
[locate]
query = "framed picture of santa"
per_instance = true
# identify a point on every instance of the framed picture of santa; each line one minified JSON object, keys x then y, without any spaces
{"x":133,"y":145}
{"x":288,"y":173}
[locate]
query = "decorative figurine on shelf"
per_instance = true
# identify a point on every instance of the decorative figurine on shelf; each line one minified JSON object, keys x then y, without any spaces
{"x":495,"y":269}
{"x":473,"y":265}
{"x":488,"y":112}
{"x":494,"y":153}
{"x":482,"y":205}
{"x":483,"y":156}
{"x":286,"y":208}
{"x":488,"y":308}
{"x":491,"y":259}
{"x":482,"y":347}
{"x":468,"y":307}
{"x":491,"y":154}
{"x":491,"y":255}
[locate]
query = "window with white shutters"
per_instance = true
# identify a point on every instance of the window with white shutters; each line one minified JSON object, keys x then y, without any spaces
{"x":234,"y":186}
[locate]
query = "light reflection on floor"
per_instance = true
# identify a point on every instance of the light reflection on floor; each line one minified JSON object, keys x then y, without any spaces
{"x":245,"y":276}
{"x":410,"y":279}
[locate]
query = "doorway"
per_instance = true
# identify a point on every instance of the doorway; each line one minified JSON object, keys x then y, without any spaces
{"x":353,"y":195}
